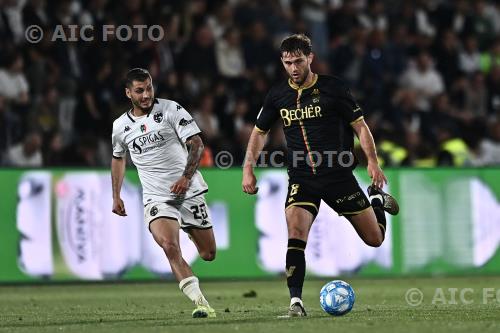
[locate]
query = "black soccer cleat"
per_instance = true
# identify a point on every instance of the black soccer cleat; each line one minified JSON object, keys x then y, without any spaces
{"x":389,"y":203}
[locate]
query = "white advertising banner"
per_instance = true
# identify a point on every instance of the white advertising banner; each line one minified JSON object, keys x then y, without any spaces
{"x":33,"y":218}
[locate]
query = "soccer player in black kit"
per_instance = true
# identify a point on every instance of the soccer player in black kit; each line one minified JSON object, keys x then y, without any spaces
{"x":319,"y":117}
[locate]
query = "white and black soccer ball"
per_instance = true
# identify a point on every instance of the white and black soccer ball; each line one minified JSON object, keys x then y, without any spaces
{"x":336,"y":298}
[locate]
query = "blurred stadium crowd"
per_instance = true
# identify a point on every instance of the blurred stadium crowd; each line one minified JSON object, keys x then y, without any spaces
{"x":427,"y":73}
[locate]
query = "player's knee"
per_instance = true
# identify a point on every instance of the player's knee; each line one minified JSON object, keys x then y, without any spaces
{"x":208,"y":255}
{"x":374,"y":240}
{"x":297,"y":233}
{"x":172,"y":249}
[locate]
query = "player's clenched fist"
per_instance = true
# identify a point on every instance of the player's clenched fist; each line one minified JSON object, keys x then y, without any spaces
{"x":119,"y":207}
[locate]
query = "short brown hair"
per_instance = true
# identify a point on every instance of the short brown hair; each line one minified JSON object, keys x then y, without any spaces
{"x":136,"y":74}
{"x":295,"y":44}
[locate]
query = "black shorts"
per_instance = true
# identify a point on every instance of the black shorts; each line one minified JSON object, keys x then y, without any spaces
{"x":344,"y":196}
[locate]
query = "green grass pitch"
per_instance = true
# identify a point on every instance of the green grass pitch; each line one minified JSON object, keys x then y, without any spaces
{"x":160,"y":307}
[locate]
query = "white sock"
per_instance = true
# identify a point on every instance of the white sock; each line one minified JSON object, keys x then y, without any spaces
{"x":296,"y":300}
{"x":191,"y":288}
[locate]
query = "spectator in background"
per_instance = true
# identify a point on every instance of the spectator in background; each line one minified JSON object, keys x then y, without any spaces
{"x":491,"y":57}
{"x":481,"y":24}
{"x":375,"y":18}
{"x":229,"y":55}
{"x":222,"y":20}
{"x":454,"y":15}
{"x":258,"y":49}
{"x":6,"y":33}
{"x":476,"y":95}
{"x":13,"y":84}
{"x":453,"y":151}
{"x":198,"y":58}
{"x":424,"y":80}
{"x":469,"y":56}
{"x":204,"y":115}
{"x":447,"y":52}
{"x":377,"y":72}
{"x":27,"y":153}
{"x":368,"y":44}
{"x":314,"y":14}
{"x":10,"y":130}
{"x":12,"y":16}
{"x":45,"y":116}
{"x":493,"y":86}
{"x":35,"y":13}
{"x":341,"y":21}
{"x":347,"y":59}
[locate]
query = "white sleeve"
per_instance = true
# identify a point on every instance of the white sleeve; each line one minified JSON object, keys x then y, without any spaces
{"x":119,"y":147}
{"x":182,"y":122}
{"x":23,"y":84}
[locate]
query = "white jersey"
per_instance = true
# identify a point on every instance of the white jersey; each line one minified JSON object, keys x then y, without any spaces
{"x":156,"y":142}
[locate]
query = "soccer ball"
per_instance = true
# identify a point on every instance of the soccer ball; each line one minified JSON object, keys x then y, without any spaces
{"x":336,"y":298}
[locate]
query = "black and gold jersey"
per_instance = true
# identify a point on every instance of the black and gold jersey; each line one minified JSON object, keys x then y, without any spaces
{"x":317,"y":123}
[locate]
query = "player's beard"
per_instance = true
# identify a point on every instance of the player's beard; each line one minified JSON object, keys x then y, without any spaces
{"x":302,"y":79}
{"x":137,"y":104}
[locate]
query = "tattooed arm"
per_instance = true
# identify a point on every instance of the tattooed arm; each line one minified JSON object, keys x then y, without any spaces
{"x":195,"y":146}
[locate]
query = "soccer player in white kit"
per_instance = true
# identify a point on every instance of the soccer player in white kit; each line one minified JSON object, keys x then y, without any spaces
{"x":165,"y":146}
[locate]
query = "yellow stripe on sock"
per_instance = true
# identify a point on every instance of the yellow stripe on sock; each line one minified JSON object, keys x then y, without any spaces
{"x":295,"y":248}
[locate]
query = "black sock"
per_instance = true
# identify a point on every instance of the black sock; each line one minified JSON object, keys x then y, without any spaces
{"x":295,"y":267}
{"x":380,"y":214}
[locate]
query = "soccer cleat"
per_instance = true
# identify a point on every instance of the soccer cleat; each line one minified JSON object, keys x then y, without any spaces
{"x":297,"y":309}
{"x":389,"y":203}
{"x":204,"y":311}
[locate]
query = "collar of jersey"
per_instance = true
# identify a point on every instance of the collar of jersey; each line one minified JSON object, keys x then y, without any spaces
{"x":297,"y":87}
{"x":152,"y":107}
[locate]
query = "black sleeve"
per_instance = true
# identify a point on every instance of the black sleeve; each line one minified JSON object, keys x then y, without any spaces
{"x":347,"y":106}
{"x":268,"y":114}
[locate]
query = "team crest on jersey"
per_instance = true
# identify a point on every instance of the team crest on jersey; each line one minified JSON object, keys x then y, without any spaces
{"x":153,"y":211}
{"x":158,"y":117}
{"x":126,"y":129}
{"x":315,"y":95}
{"x":143,"y":128}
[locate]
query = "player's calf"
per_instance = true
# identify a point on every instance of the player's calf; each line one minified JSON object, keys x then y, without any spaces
{"x":171,"y":249}
{"x":370,"y":225}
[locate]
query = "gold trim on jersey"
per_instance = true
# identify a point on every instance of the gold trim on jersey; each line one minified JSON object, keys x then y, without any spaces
{"x":303,"y":203}
{"x":356,"y":120}
{"x":260,"y":131}
{"x":297,"y":87}
{"x":356,"y":212}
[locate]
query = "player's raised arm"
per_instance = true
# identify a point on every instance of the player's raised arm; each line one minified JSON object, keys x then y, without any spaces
{"x":368,"y":146}
{"x":117,"y":174}
{"x":254,"y":148}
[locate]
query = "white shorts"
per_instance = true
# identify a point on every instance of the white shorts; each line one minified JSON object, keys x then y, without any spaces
{"x":192,"y":213}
